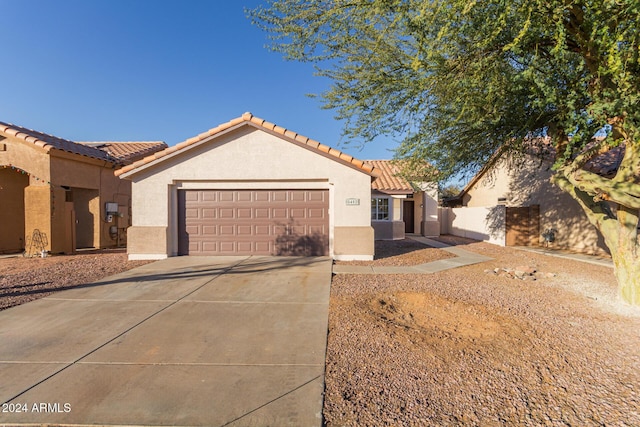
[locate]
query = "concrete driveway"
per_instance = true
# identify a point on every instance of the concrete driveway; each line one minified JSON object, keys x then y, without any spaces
{"x":212,"y":341}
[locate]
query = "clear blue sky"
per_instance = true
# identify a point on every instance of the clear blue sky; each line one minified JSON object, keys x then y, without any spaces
{"x":121,"y":70}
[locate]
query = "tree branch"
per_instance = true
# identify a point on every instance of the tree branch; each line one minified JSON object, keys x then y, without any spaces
{"x":604,"y":189}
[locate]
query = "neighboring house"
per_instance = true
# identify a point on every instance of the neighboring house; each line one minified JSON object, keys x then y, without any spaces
{"x":250,"y":187}
{"x":400,"y":207}
{"x":512,"y":202}
{"x":64,"y":189}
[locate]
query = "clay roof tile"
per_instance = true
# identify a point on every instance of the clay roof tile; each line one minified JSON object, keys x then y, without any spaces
{"x":272,"y":127}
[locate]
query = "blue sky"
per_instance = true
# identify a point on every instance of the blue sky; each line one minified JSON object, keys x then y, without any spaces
{"x":119,"y":70}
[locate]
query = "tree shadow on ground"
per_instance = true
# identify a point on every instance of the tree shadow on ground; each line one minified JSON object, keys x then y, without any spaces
{"x":390,"y":248}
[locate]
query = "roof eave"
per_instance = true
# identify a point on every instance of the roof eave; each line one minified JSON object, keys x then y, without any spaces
{"x":246,"y":120}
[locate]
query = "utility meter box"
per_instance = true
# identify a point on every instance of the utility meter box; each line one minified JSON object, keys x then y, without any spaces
{"x":111,"y":208}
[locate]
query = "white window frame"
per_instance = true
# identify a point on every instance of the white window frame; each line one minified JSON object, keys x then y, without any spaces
{"x":376,"y":213}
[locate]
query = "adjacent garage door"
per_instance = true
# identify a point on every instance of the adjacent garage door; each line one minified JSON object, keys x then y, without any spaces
{"x":260,"y":222}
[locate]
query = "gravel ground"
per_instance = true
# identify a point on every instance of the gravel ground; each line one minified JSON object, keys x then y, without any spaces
{"x":463,"y":347}
{"x":26,"y":279}
{"x":401,"y":252}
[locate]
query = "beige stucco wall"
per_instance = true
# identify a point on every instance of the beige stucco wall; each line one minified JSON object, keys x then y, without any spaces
{"x":12,"y":185}
{"x":353,"y":243}
{"x":248,"y":158}
{"x":526,"y":183}
{"x":147,"y":243}
{"x":388,"y":230}
{"x":30,"y":158}
{"x":91,"y":183}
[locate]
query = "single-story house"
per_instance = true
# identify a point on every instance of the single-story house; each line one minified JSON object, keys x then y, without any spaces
{"x":249,"y":186}
{"x":400,"y":207}
{"x":512,"y":202}
{"x":63,"y":189}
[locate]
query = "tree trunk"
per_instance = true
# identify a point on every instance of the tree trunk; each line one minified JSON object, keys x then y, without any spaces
{"x":620,"y":232}
{"x":624,"y":246}
{"x":627,"y":271}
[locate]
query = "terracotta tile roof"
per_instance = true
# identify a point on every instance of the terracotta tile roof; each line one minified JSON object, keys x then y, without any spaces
{"x":250,"y":119}
{"x":127,"y":152}
{"x":389,"y":181}
{"x":47,"y":142}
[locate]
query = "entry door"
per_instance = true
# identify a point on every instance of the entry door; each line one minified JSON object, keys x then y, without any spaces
{"x":407,"y":215}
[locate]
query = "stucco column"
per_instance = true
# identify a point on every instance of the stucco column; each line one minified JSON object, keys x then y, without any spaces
{"x":429,"y":226}
{"x":37,"y":212}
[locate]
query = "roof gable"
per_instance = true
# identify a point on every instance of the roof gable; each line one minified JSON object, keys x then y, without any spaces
{"x":247,"y":119}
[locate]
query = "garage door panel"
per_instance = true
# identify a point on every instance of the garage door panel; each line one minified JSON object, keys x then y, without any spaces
{"x":245,"y":247}
{"x":206,"y":196}
{"x":243,"y":213}
{"x":317,"y":229}
{"x":227,"y":230}
{"x":298,"y":230}
{"x":192,"y":196}
{"x":266,"y":222}
{"x":244,"y":196}
{"x":226,"y":213}
{"x":209,"y":213}
{"x":209,"y":246}
{"x":261,"y":196}
{"x":225,"y":196}
{"x":278,"y":196}
{"x":262,"y":247}
{"x":262,"y":230}
{"x":297,"y":196}
{"x":316,"y":196}
{"x":244,"y":230}
{"x":281,"y":213}
{"x":261,"y":213}
{"x":209,"y":230}
{"x":297,"y":213}
{"x":192,"y":213}
{"x":316,"y":213}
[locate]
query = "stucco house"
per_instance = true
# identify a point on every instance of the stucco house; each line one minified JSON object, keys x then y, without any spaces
{"x":399,"y":206}
{"x":512,"y":202}
{"x":64,"y":189}
{"x":249,"y":186}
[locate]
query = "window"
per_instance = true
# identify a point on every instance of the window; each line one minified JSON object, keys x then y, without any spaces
{"x":379,"y":209}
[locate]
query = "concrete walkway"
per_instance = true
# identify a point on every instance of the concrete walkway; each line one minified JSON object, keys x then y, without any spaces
{"x":462,"y":258}
{"x":590,"y":259}
{"x":198,"y":341}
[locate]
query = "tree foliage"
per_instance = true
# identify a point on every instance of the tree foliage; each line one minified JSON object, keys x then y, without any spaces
{"x":458,"y":79}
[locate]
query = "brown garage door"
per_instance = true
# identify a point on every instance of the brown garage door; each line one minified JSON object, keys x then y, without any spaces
{"x":260,"y":222}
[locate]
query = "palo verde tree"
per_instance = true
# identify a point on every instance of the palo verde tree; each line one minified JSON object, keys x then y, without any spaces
{"x":460,"y":79}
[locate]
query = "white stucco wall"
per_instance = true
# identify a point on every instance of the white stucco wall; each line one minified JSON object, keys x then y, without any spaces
{"x":479,"y":223}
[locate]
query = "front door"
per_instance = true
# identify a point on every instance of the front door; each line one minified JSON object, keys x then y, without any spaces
{"x":407,"y":215}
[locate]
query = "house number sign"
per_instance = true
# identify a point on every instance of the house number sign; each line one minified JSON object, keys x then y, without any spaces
{"x":353,"y":202}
